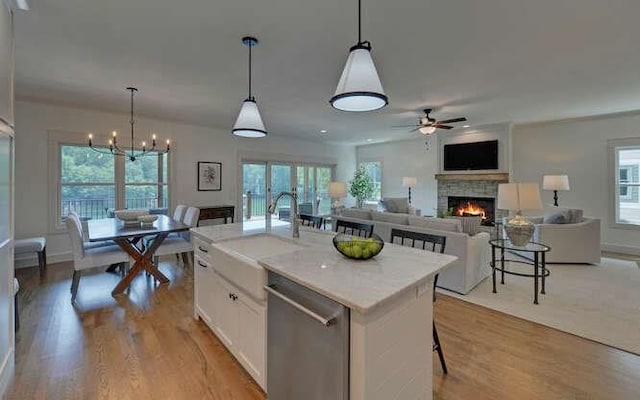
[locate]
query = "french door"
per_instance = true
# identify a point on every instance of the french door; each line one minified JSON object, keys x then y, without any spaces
{"x":262,"y":181}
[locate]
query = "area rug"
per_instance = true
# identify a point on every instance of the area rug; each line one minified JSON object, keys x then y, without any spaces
{"x":597,"y":302}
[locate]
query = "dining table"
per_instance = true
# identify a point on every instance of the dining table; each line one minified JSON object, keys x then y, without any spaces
{"x":128,"y":237}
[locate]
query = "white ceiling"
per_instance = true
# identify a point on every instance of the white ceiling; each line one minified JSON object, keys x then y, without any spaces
{"x":491,"y":60}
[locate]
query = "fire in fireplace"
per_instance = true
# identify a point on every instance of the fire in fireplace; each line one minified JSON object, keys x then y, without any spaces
{"x":472,"y":206}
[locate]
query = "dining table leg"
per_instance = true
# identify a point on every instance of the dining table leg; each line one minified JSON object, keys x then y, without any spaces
{"x":143,"y":260}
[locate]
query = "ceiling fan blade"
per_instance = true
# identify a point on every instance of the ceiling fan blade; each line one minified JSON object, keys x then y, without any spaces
{"x":451,"y":121}
{"x":405,"y":126}
{"x":443,"y":126}
{"x":413,"y":130}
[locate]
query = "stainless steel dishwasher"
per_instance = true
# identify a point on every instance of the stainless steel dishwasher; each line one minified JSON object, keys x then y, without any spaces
{"x":307,"y":344}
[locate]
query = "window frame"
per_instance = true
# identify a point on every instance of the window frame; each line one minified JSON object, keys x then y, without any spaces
{"x":58,"y":139}
{"x":614,"y":146}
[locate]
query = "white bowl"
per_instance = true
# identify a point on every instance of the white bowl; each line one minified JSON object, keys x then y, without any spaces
{"x":130,"y":215}
{"x":147,"y":219}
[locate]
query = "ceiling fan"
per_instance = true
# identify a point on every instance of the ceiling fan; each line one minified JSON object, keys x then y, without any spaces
{"x":428,"y":125}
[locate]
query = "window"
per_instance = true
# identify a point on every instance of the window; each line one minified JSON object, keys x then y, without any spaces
{"x":374,"y":169}
{"x":626,"y":182}
{"x":91,"y":183}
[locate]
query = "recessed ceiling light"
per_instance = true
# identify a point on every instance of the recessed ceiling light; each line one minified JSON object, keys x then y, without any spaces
{"x":369,"y":140}
{"x":323,"y":131}
{"x":466,"y":126}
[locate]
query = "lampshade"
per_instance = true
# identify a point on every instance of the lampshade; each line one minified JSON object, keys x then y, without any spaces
{"x":359,"y":88}
{"x":249,"y":123}
{"x":409,"y":181}
{"x":519,"y":196}
{"x":337,"y":189}
{"x":427,"y":130}
{"x":555,"y":182}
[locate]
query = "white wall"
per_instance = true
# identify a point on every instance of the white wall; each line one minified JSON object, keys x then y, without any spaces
{"x":189,"y":145}
{"x":406,"y":158}
{"x":579,"y":149}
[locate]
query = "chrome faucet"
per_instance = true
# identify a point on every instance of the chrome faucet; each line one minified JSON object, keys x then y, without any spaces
{"x":294,"y":211}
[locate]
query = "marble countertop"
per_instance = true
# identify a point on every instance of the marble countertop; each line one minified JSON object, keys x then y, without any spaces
{"x":362,"y":285}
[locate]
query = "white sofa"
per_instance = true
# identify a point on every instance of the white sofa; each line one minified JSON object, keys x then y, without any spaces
{"x":473,"y":252}
{"x":577,"y":243}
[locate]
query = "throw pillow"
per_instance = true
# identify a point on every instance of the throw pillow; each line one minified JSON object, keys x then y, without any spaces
{"x":396,"y":204}
{"x":558,"y":217}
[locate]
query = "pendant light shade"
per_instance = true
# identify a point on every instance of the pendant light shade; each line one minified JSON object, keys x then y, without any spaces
{"x":359,"y":88}
{"x":249,"y":122}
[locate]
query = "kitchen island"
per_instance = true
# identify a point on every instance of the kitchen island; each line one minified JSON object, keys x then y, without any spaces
{"x":388,"y":301}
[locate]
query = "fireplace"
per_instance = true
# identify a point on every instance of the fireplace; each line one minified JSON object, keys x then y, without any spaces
{"x":470,"y":206}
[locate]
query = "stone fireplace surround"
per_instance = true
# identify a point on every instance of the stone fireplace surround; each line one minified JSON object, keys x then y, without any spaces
{"x":470,"y":185}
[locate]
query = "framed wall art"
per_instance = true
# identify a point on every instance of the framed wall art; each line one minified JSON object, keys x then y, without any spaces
{"x":209,"y":176}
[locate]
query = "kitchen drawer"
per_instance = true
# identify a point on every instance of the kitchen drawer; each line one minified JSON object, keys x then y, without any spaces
{"x":202,"y":249}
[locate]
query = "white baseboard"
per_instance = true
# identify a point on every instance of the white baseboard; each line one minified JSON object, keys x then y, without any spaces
{"x":32,"y":261}
{"x":6,"y":372}
{"x":614,"y":248}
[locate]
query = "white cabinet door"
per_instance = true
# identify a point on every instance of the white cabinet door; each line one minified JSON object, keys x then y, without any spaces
{"x":251,"y":343}
{"x":204,"y":290}
{"x":226,"y":320}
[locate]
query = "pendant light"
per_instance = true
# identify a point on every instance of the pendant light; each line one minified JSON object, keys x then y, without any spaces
{"x":359,"y":88}
{"x":249,"y":123}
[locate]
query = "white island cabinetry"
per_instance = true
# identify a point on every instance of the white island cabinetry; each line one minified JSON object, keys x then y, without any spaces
{"x":237,"y":319}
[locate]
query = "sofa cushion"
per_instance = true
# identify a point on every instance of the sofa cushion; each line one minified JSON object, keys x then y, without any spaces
{"x":392,"y":218}
{"x":395,"y":204}
{"x":556,"y":217}
{"x":440,"y":224}
{"x":358,"y":213}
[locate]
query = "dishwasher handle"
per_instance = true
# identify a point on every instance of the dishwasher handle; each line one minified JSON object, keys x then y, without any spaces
{"x":324,"y":321}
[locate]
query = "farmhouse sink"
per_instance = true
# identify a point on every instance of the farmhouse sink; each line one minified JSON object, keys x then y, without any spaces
{"x":236,"y":260}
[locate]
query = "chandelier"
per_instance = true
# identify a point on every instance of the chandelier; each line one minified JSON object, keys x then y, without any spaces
{"x":132,"y":153}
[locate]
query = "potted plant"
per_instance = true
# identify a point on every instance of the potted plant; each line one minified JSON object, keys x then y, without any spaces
{"x":361,"y":186}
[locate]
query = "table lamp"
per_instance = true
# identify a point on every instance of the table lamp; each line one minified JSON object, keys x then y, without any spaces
{"x":518,"y":197}
{"x":409,"y":182}
{"x":555,"y":183}
{"x":337,"y":190}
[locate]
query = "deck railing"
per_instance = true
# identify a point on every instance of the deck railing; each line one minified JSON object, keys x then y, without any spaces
{"x":98,"y":208}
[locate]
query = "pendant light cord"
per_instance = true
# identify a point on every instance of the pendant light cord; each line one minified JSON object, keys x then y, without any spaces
{"x":359,"y":21}
{"x":132,"y":121}
{"x":250,"y":46}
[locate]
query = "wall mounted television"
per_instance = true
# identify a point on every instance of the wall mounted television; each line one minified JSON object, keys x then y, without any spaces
{"x":471,"y":156}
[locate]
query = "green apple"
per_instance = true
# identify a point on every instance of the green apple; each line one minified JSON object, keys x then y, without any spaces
{"x":356,"y":252}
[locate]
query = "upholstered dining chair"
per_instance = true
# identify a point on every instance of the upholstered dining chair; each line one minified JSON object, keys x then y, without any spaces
{"x":85,"y":257}
{"x":354,"y":228}
{"x":180,"y":244}
{"x":427,"y":242}
{"x":178,"y":213}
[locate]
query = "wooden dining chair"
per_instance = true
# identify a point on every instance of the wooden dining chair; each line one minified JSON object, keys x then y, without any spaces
{"x":429,"y":242}
{"x":313,"y":221}
{"x":354,"y":228}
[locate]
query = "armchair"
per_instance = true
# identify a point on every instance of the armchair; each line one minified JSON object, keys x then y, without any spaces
{"x":577,"y":243}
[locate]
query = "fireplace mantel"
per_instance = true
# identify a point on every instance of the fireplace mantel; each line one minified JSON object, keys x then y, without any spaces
{"x":501,"y":177}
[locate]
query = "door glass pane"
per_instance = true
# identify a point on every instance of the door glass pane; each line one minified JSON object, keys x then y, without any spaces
{"x":254,"y":189}
{"x":323,"y":177}
{"x":281,"y":182}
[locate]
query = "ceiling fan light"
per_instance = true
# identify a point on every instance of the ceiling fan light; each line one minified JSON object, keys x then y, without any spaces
{"x":249,"y":123}
{"x":427,"y":130}
{"x":359,"y":88}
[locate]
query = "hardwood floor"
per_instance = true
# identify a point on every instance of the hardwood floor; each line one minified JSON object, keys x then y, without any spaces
{"x":146,"y":345}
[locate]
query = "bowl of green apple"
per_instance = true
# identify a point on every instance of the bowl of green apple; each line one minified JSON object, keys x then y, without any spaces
{"x":356,"y":247}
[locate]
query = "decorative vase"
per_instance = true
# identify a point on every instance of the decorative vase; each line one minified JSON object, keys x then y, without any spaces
{"x":519,"y":230}
{"x":359,"y":203}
